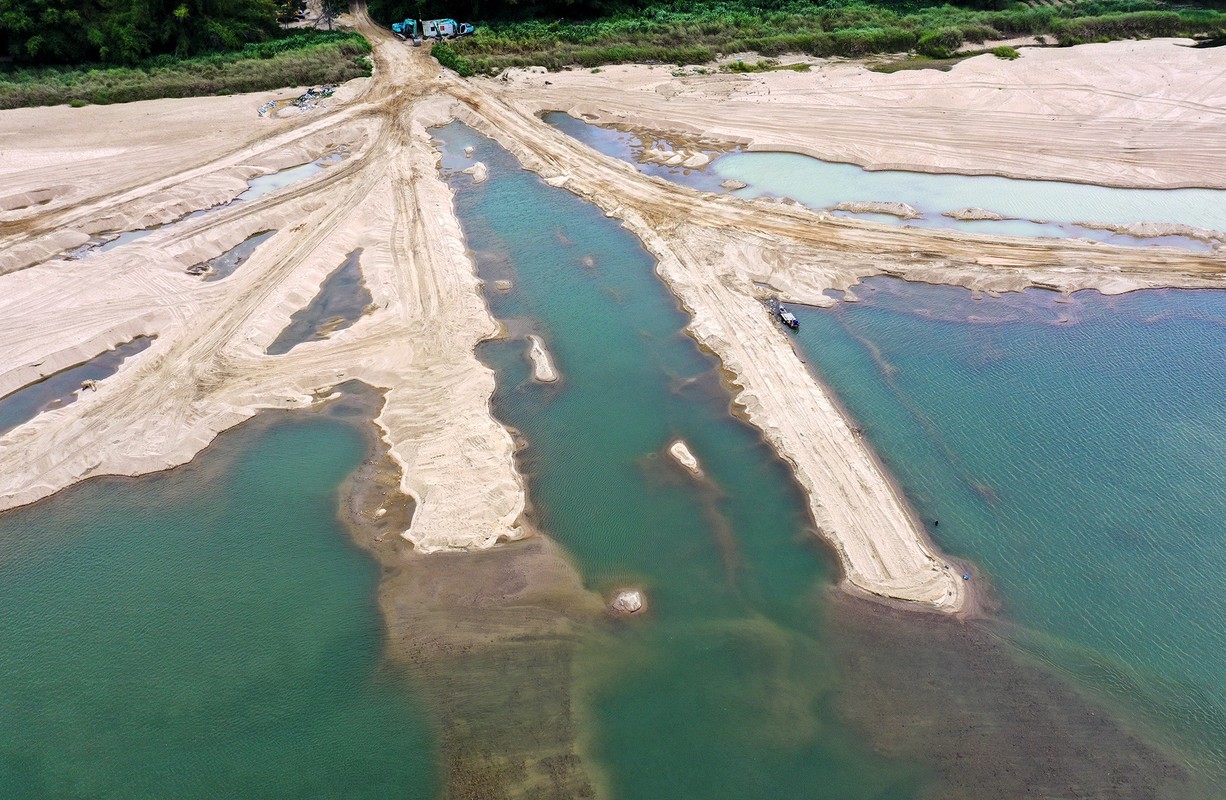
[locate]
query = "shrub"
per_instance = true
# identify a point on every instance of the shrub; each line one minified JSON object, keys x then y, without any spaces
{"x":1005,"y":52}
{"x":940,"y":44}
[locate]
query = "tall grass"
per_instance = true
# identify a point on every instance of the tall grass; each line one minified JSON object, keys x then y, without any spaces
{"x":677,"y":32}
{"x":299,"y":59}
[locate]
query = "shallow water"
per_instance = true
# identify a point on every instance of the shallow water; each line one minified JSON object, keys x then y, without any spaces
{"x":629,"y":146}
{"x":1056,"y":206}
{"x":1073,"y":448}
{"x":256,"y":187}
{"x":723,"y":689}
{"x":266,"y":184}
{"x":732,"y":684}
{"x":207,"y":632}
{"x":225,"y":265}
{"x":62,"y":388}
{"x":342,"y":299}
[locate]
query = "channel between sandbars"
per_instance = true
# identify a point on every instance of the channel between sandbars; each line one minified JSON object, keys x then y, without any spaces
{"x":882,"y":551}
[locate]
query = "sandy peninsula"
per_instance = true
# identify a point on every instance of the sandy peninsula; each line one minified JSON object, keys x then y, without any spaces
{"x":719,"y":254}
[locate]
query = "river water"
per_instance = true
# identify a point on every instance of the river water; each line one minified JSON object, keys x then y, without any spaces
{"x":744,"y":679}
{"x":212,"y":631}
{"x":1073,"y":448}
{"x":206,"y":632}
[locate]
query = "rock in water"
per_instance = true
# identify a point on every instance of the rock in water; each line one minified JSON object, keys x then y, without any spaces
{"x":627,"y":601}
{"x":732,"y":184}
{"x":680,"y":452}
{"x":479,"y":171}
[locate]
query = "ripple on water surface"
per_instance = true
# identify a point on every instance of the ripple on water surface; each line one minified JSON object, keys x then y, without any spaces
{"x":1073,"y":447}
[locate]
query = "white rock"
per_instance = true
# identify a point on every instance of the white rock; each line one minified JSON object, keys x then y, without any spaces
{"x":627,"y":601}
{"x":479,"y":171}
{"x":680,"y":452}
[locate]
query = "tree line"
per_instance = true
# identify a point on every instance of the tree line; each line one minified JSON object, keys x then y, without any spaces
{"x":130,"y":31}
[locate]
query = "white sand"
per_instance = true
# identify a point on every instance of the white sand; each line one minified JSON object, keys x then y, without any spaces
{"x":542,"y":363}
{"x":1056,"y":113}
{"x":680,"y":451}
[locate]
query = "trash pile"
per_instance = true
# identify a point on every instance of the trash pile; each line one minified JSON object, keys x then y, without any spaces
{"x":306,"y":102}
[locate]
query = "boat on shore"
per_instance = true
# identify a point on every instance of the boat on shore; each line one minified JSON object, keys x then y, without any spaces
{"x":785,"y":316}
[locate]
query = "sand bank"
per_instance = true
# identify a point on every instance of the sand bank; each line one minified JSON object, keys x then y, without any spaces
{"x":206,"y":371}
{"x":542,"y":363}
{"x":1143,"y":113}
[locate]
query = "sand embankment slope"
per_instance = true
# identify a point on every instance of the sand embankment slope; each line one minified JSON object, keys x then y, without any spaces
{"x":1143,"y":113}
{"x":207,"y":371}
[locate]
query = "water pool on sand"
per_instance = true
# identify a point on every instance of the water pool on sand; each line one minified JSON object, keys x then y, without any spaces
{"x":1057,"y":206}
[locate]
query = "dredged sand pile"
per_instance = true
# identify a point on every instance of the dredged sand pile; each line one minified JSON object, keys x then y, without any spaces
{"x":207,"y":370}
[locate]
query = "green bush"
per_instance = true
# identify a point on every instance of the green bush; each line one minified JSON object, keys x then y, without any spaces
{"x":296,"y":60}
{"x":940,"y":44}
{"x":673,"y":31}
{"x":1005,"y":52}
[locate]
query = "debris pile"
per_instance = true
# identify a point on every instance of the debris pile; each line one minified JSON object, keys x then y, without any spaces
{"x":305,"y":102}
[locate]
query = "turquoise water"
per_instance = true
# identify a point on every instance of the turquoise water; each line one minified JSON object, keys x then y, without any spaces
{"x":1042,"y":208}
{"x":725,"y":688}
{"x":208,"y":632}
{"x":1074,"y":449}
{"x":822,"y":184}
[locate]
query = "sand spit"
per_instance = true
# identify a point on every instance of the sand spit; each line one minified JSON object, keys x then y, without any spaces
{"x":894,"y":209}
{"x":489,"y":639}
{"x":543,"y":369}
{"x":974,"y":215}
{"x":206,"y":371}
{"x":1154,"y":229}
{"x":680,"y":451}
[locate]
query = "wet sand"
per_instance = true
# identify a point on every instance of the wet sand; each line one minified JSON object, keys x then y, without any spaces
{"x":489,"y":638}
{"x":958,"y":696}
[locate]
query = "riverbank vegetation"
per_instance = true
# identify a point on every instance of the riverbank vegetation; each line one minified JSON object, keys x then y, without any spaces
{"x":679,"y":32}
{"x":301,"y":58}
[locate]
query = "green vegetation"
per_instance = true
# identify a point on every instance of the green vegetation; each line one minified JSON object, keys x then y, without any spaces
{"x":765,"y":65}
{"x":1005,"y":52}
{"x":129,"y":31}
{"x":299,"y":59}
{"x":677,"y":32}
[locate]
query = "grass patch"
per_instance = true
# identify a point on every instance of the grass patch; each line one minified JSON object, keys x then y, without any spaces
{"x":1006,"y":52}
{"x":299,"y":59}
{"x":765,"y":65}
{"x":676,"y":32}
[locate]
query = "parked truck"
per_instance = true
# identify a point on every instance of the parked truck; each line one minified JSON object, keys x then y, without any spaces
{"x":438,"y":29}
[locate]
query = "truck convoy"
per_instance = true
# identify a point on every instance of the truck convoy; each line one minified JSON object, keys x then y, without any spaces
{"x":437,"y":29}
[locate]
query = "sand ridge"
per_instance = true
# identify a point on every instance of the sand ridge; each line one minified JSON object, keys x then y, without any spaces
{"x":720,"y":255}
